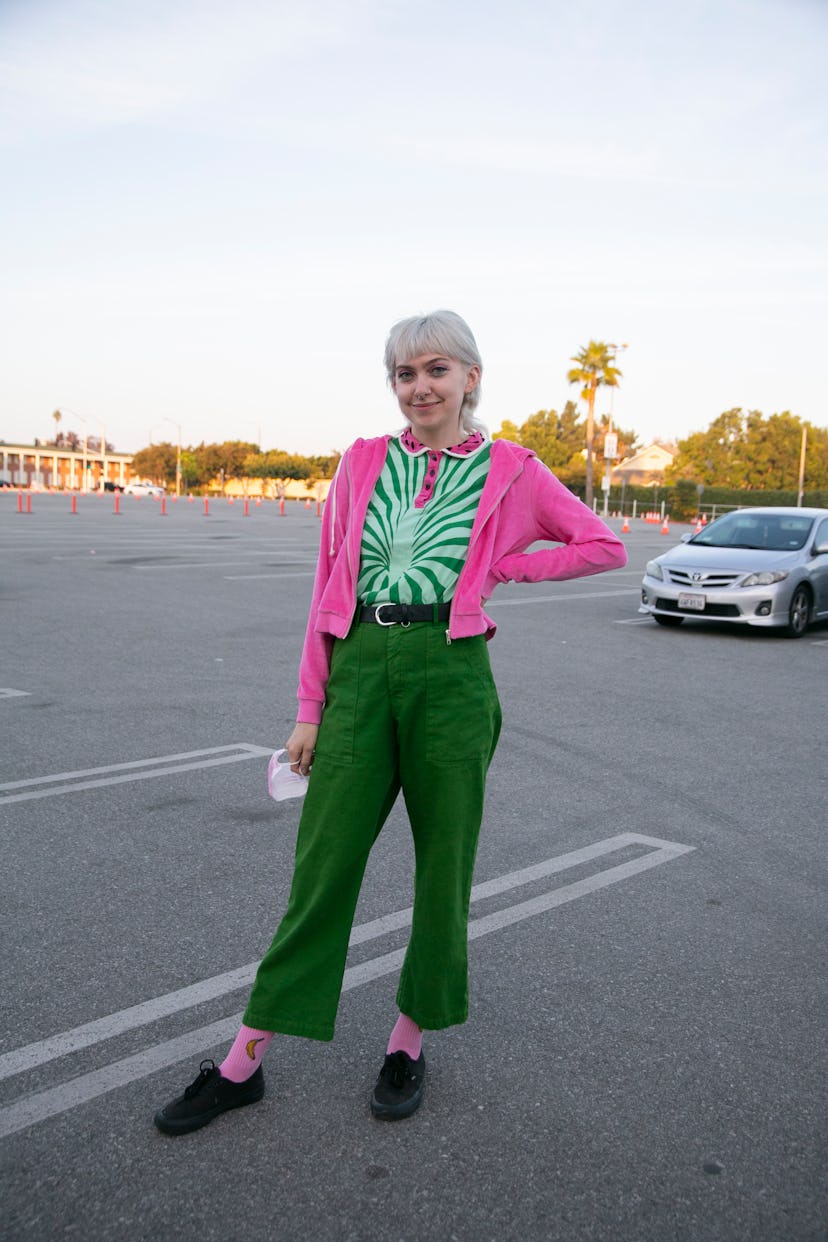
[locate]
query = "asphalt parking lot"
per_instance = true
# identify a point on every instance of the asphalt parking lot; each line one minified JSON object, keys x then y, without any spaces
{"x":645,"y":1057}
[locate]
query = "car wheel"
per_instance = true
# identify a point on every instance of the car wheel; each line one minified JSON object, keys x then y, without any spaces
{"x":799,"y":613}
{"x":662,"y":619}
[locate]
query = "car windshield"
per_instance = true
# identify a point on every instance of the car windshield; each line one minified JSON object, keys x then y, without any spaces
{"x":773,"y":532}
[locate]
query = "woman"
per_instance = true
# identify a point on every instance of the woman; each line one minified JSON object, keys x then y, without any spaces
{"x":396,"y":692}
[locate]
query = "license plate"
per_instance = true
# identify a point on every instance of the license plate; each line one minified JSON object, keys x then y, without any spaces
{"x":692,"y":603}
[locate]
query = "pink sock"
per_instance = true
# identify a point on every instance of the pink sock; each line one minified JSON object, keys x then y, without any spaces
{"x":245,"y":1056}
{"x":406,"y":1037}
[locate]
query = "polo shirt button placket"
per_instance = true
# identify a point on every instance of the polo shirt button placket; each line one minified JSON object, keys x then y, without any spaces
{"x":427,"y":489}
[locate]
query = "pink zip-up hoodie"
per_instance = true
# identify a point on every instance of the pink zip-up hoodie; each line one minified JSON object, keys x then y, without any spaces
{"x":522,"y":502}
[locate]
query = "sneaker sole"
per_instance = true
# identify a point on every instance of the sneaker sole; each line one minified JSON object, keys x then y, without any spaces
{"x":186,"y":1126}
{"x":396,"y":1112}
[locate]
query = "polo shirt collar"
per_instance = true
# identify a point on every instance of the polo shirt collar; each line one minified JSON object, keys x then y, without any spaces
{"x":411,"y":445}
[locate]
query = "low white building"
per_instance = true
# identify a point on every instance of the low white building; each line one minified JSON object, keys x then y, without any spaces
{"x":645,"y":466}
{"x":50,"y":466}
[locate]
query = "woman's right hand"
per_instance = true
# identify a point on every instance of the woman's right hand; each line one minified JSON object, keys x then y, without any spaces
{"x":301,"y":747}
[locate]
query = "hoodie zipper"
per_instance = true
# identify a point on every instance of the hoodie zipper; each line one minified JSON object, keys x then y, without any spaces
{"x":476,"y":536}
{"x":351,"y":573}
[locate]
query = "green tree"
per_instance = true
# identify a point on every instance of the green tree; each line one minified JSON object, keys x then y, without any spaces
{"x":774,"y":446}
{"x":223,"y":461}
{"x":508,"y":431}
{"x":573,"y":472}
{"x":190,"y":469}
{"x":233,"y":454}
{"x":209,"y":459}
{"x":324,"y":466}
{"x":570,"y":428}
{"x":278,"y":468}
{"x":743,"y":449}
{"x":157,"y":463}
{"x":57,"y":416}
{"x":555,"y":437}
{"x":541,"y":434}
{"x":594,"y":370}
{"x":713,"y":456}
{"x":816,"y":458}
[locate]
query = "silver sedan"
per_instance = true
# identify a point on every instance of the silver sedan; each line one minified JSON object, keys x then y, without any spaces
{"x":763,"y":567}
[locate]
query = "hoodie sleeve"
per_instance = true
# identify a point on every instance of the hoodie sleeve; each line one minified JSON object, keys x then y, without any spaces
{"x":315,"y":664}
{"x":588,"y":544}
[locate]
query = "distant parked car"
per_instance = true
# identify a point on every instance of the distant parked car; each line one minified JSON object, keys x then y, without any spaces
{"x":144,"y":489}
{"x":762,"y":567}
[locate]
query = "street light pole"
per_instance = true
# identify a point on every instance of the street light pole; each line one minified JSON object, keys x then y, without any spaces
{"x":609,"y":442}
{"x":801,"y":489}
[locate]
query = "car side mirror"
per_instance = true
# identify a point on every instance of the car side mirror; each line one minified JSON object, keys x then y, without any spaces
{"x":686,"y":538}
{"x":820,"y":549}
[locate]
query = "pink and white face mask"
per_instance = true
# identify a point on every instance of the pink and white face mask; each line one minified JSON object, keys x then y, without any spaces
{"x":282,"y":782}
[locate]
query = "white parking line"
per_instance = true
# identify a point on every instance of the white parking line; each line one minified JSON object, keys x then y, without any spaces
{"x":219,"y":985}
{"x":138,"y":770}
{"x":273,"y":544}
{"x":79,"y":1090}
{"x":150,"y":569}
{"x":14,"y":694}
{"x":305,"y":573}
{"x":554,"y":599}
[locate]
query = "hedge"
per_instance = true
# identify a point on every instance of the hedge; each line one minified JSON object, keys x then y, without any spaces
{"x":681,"y":500}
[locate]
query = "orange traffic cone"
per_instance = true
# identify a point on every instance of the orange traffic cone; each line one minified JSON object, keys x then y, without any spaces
{"x":704,"y":519}
{"x":665,"y":529}
{"x":625,"y":529}
{"x":699,"y":527}
{"x":307,"y":503}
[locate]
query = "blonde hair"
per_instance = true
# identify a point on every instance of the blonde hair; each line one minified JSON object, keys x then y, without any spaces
{"x":440,"y":332}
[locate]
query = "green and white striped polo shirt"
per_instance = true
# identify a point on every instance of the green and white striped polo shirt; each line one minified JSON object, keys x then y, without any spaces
{"x":419,"y":521}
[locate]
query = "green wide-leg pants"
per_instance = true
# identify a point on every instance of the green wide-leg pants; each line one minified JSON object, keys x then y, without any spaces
{"x":404,"y":710}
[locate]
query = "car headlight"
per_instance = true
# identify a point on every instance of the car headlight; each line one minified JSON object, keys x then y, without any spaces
{"x":653,"y":570}
{"x":766,"y":578}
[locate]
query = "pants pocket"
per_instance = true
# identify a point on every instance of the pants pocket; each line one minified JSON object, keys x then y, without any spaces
{"x":462,"y":708}
{"x":337,"y":730}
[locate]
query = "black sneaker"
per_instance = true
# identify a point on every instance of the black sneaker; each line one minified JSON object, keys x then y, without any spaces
{"x":205,"y":1098}
{"x":399,"y":1088}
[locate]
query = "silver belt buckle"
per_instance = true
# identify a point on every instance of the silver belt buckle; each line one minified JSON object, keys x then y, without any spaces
{"x":379,"y":619}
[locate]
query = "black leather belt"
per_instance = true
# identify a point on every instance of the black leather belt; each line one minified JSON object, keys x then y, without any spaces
{"x":403,"y":614}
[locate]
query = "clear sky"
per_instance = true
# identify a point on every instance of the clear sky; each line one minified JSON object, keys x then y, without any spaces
{"x":211,"y":212}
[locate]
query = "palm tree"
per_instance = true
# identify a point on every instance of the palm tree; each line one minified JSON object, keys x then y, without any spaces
{"x":595,"y":369}
{"x":57,"y":416}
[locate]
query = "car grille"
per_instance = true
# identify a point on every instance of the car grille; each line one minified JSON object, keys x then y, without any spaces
{"x":709,"y":580}
{"x":710,"y":610}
